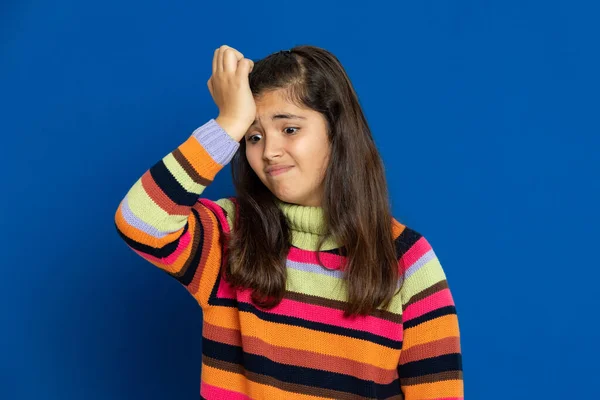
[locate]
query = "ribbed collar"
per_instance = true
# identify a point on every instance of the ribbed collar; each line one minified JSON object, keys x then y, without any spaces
{"x":307,"y":225}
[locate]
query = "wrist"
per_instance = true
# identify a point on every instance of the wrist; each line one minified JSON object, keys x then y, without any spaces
{"x":234,"y":128}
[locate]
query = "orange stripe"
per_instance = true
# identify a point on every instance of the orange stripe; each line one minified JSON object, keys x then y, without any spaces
{"x":210,"y":259}
{"x":199,"y":158}
{"x":238,"y":383}
{"x":436,"y":348}
{"x":438,"y":328}
{"x":300,"y":358}
{"x":435,"y":390}
{"x":159,"y":197}
{"x":397,"y":228}
{"x":224,"y":317}
{"x":300,"y":338}
{"x":223,"y":379}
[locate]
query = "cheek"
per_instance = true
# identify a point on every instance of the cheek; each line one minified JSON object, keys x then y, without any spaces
{"x":254,"y":160}
{"x":250,"y":155}
{"x":318,"y":157}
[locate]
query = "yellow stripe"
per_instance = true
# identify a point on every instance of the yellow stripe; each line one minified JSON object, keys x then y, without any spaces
{"x":181,"y":175}
{"x":312,"y":283}
{"x":151,"y":213}
{"x":142,"y":237}
{"x":426,"y":276}
{"x":327,"y":287}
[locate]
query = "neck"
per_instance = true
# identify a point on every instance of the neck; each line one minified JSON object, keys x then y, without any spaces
{"x":307,"y":225}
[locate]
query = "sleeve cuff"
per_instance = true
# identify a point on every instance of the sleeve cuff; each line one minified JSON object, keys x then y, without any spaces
{"x":216,"y":141}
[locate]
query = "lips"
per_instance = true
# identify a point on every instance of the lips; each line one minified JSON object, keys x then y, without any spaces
{"x":278,"y":170}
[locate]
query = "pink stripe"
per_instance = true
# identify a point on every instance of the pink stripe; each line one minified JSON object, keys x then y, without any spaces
{"x":225,"y":290}
{"x":215,"y":208}
{"x":171,"y":258}
{"x":413,"y":254}
{"x":437,"y":300}
{"x":329,"y":316}
{"x":296,"y":255}
{"x":331,"y":261}
{"x":213,"y":392}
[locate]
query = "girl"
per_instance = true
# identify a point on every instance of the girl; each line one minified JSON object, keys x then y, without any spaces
{"x":309,"y":288}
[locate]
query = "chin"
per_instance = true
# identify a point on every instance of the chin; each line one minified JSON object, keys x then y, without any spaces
{"x":287,"y":199}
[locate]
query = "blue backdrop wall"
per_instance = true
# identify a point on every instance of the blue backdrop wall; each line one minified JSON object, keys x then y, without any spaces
{"x":486,"y":116}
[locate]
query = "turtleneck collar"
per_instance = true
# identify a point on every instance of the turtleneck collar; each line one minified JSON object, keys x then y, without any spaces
{"x":307,"y":224}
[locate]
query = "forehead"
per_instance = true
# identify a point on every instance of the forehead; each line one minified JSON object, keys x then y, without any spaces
{"x":274,"y":105}
{"x":275,"y":99}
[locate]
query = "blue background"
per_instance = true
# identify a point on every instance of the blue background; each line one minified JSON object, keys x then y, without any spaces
{"x":486,"y":116}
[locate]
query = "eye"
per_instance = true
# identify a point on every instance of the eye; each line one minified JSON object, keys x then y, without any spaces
{"x":296,"y":129}
{"x":249,"y":139}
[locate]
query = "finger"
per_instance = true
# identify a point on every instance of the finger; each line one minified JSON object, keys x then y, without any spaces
{"x":230,"y":60}
{"x":237,"y":53}
{"x":245,"y":67}
{"x":239,"y":56}
{"x":210,"y":88}
{"x":214,"y":61}
{"x":220,"y":59}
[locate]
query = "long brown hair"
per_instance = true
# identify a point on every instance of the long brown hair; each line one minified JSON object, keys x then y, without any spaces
{"x":355,"y":201}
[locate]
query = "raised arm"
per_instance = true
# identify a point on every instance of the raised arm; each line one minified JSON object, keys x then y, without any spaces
{"x":162,"y":219}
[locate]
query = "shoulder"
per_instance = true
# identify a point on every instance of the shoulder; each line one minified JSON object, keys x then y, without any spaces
{"x":224,"y":209}
{"x":409,"y":242}
{"x":416,"y":257}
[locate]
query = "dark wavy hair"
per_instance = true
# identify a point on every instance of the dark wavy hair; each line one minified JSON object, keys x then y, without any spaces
{"x":355,"y":201}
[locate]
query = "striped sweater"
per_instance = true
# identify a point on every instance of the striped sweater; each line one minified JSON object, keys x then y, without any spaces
{"x":303,"y":348}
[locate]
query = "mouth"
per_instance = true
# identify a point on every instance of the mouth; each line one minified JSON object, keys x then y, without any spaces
{"x":279,"y":171}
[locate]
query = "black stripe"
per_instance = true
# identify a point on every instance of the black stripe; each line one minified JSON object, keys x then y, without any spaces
{"x":214,"y":301}
{"x":169,"y":248}
{"x":164,"y":251}
{"x":295,"y":321}
{"x":194,"y":261}
{"x":319,"y":326}
{"x":433,"y":365}
{"x":213,"y":292}
{"x":298,"y":375}
{"x":405,"y":241}
{"x":338,"y":251}
{"x":430,"y":315}
{"x":170,"y":186}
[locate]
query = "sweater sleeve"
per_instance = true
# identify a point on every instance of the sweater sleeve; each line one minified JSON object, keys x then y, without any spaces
{"x":430,"y":365}
{"x":163,"y":219}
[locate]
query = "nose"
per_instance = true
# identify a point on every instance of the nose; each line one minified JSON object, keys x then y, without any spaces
{"x":273,"y":147}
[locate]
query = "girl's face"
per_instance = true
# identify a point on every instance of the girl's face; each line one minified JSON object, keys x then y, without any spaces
{"x":284,"y":135}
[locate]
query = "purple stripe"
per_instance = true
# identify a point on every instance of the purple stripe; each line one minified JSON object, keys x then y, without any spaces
{"x":315,"y":268}
{"x":134,"y":221}
{"x":216,"y":141}
{"x":334,"y":273}
{"x":420,"y":262}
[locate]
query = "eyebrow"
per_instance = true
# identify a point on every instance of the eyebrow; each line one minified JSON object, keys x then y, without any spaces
{"x":281,"y":116}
